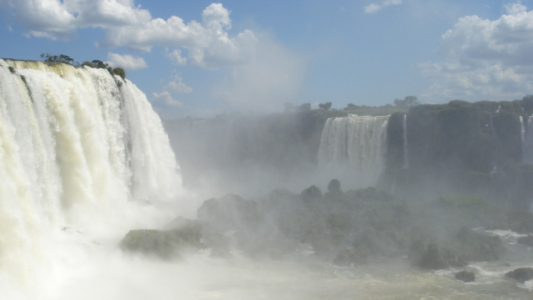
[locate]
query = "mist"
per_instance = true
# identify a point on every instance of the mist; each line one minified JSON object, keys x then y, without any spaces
{"x":104,"y":200}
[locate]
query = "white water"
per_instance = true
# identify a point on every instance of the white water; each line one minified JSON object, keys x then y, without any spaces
{"x":405,"y":145}
{"x":527,"y":139}
{"x":355,"y":144}
{"x":77,"y":154}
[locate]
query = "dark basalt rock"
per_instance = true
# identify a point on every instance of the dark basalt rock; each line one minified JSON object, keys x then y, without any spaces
{"x":312,"y":195}
{"x":521,"y":274}
{"x":474,"y":246}
{"x":432,"y":258}
{"x":465,"y":276}
{"x":165,"y":244}
{"x":230,"y":212}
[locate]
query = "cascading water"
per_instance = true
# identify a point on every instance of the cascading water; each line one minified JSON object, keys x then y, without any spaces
{"x":72,"y":140}
{"x":527,"y":140}
{"x":355,"y":144}
{"x":405,"y":146}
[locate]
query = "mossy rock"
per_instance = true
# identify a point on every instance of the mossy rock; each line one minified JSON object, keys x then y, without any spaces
{"x":521,"y":274}
{"x":465,"y":276}
{"x":230,"y":212}
{"x":474,"y":246}
{"x":432,"y":258}
{"x":166,"y":244}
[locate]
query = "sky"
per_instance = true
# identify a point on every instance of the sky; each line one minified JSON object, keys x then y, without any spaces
{"x":202,"y":58}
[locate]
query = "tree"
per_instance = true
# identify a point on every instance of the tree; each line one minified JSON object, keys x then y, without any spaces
{"x":325,"y":106}
{"x":409,"y":101}
{"x":304,"y":107}
{"x":61,"y":58}
{"x":351,"y":106}
{"x":120,"y":72}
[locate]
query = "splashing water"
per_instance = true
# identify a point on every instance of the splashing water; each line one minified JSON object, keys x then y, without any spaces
{"x":76,"y":144}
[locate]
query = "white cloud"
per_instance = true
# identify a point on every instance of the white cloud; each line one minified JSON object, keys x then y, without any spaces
{"x":176,"y":58}
{"x":208,"y":43}
{"x":57,"y":19}
{"x":273,"y":77}
{"x":484,"y":59}
{"x":166,"y":98}
{"x":176,"y":85}
{"x":375,"y":7}
{"x":126,"y":61}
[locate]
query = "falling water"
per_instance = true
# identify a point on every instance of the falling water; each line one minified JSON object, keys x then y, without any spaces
{"x":357,"y":143}
{"x":405,"y":153}
{"x":527,"y":140}
{"x":72,"y":140}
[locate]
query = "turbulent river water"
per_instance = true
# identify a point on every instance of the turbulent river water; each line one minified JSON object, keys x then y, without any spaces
{"x":84,"y":159}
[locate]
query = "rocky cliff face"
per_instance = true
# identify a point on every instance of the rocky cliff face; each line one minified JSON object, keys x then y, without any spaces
{"x":461,"y":147}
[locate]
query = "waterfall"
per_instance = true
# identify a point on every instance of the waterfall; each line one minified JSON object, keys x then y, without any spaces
{"x":72,"y":139}
{"x":405,"y":149}
{"x":527,"y":140}
{"x":355,"y":143}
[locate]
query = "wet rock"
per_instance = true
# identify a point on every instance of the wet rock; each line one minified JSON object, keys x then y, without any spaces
{"x":474,"y":246}
{"x":465,"y":276}
{"x":165,"y":244}
{"x":312,"y":195}
{"x":230,"y":212}
{"x":526,"y":240}
{"x":432,"y":258}
{"x":521,"y":274}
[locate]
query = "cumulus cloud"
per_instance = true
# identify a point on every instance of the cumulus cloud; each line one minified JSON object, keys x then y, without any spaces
{"x":207,"y":43}
{"x":126,"y":61}
{"x":176,"y":58}
{"x":375,"y":7}
{"x":166,"y":98}
{"x":484,"y":59}
{"x":57,"y":19}
{"x":176,"y":85}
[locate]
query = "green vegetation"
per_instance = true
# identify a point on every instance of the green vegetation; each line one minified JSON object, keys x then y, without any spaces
{"x":165,"y":244}
{"x":98,"y":64}
{"x":120,"y":72}
{"x":61,"y":58}
{"x":407,"y":102}
{"x":12,"y":70}
{"x":65,"y":59}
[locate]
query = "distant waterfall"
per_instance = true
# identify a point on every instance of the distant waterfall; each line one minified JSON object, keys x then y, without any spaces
{"x":72,"y":139}
{"x":527,"y":140}
{"x":405,"y":146}
{"x":355,"y":143}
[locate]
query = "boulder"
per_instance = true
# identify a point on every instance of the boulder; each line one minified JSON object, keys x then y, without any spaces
{"x":474,"y":246}
{"x":312,"y":195}
{"x":521,"y":274}
{"x":465,"y":276}
{"x":165,"y":244}
{"x":230,"y":212}
{"x":432,"y":258}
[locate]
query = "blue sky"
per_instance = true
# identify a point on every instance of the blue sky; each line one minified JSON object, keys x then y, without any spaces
{"x":203,"y":58}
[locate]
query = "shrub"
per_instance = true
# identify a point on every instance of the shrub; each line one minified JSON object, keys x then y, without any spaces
{"x":120,"y":72}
